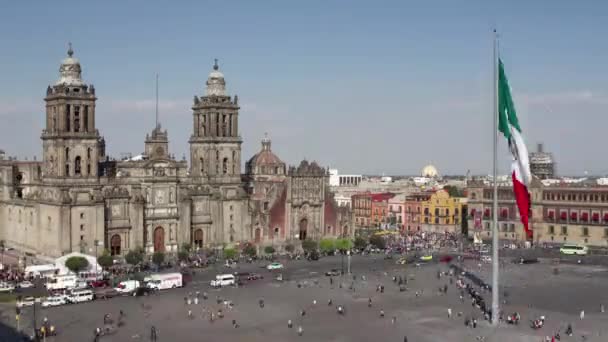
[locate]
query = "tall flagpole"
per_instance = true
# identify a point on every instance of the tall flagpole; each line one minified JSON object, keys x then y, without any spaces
{"x":495,"y":264}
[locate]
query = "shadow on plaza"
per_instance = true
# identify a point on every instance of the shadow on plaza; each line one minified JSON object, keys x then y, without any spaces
{"x":8,"y":333}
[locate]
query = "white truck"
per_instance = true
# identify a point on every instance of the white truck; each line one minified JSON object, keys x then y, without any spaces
{"x":61,"y":282}
{"x":223,"y":280}
{"x":164,"y":281}
{"x":127,"y":286}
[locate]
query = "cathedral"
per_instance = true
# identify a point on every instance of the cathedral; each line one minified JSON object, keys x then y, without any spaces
{"x":77,"y":198}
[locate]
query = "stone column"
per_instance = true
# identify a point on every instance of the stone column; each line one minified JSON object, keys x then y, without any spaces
{"x":92,"y":118}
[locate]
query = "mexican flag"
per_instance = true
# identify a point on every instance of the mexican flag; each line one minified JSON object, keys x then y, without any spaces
{"x":508,"y":125}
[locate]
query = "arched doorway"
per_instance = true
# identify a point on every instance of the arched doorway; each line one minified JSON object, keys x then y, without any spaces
{"x":115,"y":244}
{"x":198,"y":238}
{"x":159,"y":239}
{"x":303,"y":228}
{"x":258,"y":235}
{"x":345,"y":231}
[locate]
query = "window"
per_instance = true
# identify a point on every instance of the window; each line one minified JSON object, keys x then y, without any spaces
{"x":85,"y":117}
{"x":67,"y":118}
{"x":436,"y":220}
{"x":512,"y":228}
{"x":585,"y":231}
{"x":564,"y":230}
{"x":276,"y":230}
{"x":504,"y":227}
{"x":81,"y":216}
{"x":606,"y":232}
{"x":265,"y":205}
{"x":89,"y":169}
{"x":231,"y":217}
{"x":76,"y":118}
{"x":82,"y":227}
{"x":81,"y":237}
{"x":231,"y":207}
{"x":225,"y":166}
{"x":77,"y":165}
{"x":551,"y":230}
{"x":487,"y":225}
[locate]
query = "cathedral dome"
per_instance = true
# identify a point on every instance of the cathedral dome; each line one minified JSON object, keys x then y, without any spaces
{"x":216,"y":84}
{"x":429,"y":171}
{"x":70,"y":72}
{"x":265,"y":162}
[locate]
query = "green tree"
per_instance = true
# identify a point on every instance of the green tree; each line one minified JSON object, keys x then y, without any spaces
{"x":186,"y":247}
{"x":378,"y":241}
{"x":344,"y":244}
{"x":229,"y":253}
{"x":250,"y":250}
{"x":105,"y":260}
{"x":309,"y":245}
{"x":134,"y":257}
{"x":269,"y":250}
{"x":360,"y":243}
{"x":454,"y":191}
{"x":76,"y":263}
{"x":289,"y":248}
{"x":326,"y":245}
{"x":182,"y":255}
{"x":158,"y":258}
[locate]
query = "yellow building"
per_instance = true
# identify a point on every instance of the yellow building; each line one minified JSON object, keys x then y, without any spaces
{"x":441,"y":213}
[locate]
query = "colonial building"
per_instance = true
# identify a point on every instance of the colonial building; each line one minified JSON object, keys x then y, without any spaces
{"x":441,"y":213}
{"x":413,"y":210}
{"x":561,"y":213}
{"x":79,"y":199}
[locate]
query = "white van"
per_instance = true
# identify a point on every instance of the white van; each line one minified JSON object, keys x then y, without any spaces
{"x":61,"y":282}
{"x":164,"y":281}
{"x":223,"y":280}
{"x":80,"y":296}
{"x":54,"y":301}
{"x":127,"y":286}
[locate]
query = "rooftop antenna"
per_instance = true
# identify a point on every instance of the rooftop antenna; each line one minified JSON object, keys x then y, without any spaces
{"x":156,"y":100}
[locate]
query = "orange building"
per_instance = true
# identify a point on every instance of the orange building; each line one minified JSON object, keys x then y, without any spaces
{"x":362,"y":209}
{"x":380,"y":208}
{"x":413,"y":210}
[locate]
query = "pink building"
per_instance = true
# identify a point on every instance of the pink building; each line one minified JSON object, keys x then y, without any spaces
{"x":396,"y":211}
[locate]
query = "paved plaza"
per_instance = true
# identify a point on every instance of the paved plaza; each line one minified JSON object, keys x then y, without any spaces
{"x":533,"y":290}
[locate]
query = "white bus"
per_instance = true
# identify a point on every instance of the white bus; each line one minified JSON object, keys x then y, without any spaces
{"x":61,"y":282}
{"x":164,"y":281}
{"x":574,"y":250}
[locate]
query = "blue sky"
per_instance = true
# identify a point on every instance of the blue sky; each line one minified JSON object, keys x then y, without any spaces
{"x":366,"y":87}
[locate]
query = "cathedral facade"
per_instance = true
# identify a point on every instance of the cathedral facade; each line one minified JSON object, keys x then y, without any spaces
{"x":79,"y":199}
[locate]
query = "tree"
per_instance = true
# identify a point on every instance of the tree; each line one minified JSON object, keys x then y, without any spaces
{"x":269,"y":250}
{"x":105,"y":260}
{"x":377,"y":241}
{"x":344,"y":244}
{"x":134,"y":257}
{"x":326,"y":245}
{"x":158,"y":258}
{"x":182,"y":255}
{"x":289,"y":248}
{"x":250,"y":250}
{"x":186,"y":247}
{"x":360,"y":243}
{"x":229,"y":253}
{"x":454,"y":191}
{"x":76,"y":263}
{"x":309,"y":245}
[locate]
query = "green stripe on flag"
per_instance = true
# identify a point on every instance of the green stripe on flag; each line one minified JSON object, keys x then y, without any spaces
{"x":507,"y":115}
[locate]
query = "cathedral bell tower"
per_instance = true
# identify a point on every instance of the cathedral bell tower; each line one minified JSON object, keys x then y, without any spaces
{"x":72,"y":146}
{"x":215,"y":145}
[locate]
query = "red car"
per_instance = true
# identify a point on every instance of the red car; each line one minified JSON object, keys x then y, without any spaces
{"x":446,"y":258}
{"x":100,"y":283}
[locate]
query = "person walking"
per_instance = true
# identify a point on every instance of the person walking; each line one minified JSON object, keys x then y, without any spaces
{"x":449,"y":312}
{"x":153,"y":334}
{"x":582,"y":314}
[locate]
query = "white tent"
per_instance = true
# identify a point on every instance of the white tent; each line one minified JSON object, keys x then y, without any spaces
{"x":93,"y":268}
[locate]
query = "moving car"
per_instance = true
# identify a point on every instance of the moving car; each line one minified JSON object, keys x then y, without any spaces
{"x":333,"y":272}
{"x":426,"y":258}
{"x":127,"y":286}
{"x":25,"y":284}
{"x":79,"y":296}
{"x":574,"y":250}
{"x":223,"y":280}
{"x":274,"y":266}
{"x":27,"y":301}
{"x":54,"y":301}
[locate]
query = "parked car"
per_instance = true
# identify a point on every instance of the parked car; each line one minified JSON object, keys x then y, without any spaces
{"x":7,"y":287}
{"x":27,"y":301}
{"x":254,"y":276}
{"x":79,"y":296}
{"x":333,"y":272}
{"x":100,"y":283}
{"x":105,"y":292}
{"x":26,"y":284}
{"x":54,"y":301}
{"x":274,"y":266}
{"x":128,"y":286}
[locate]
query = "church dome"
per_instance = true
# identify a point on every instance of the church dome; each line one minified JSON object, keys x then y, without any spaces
{"x":265,"y":162}
{"x":70,"y":72}
{"x":429,"y":171}
{"x":216,"y":84}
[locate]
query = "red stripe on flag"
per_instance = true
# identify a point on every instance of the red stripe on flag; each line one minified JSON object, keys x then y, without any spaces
{"x":522,"y":197}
